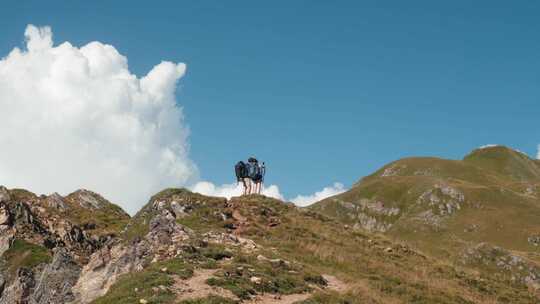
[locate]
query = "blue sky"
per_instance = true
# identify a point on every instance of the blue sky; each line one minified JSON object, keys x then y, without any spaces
{"x":323,"y":91}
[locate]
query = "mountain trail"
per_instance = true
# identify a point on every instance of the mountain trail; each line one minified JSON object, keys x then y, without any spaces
{"x":196,"y":287}
{"x":335,"y":284}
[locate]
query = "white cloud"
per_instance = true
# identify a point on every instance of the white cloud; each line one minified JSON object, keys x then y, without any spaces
{"x":76,"y":117}
{"x":538,"y":153}
{"x":305,"y":200}
{"x":230,"y":190}
{"x":488,"y":146}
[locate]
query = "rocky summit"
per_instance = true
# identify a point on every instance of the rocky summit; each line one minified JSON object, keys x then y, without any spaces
{"x":416,"y":231}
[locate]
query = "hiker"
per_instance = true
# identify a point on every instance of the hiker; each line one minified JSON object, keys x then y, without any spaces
{"x":251,"y":174}
{"x":241,"y":171}
{"x":255,"y":175}
{"x":252,"y":170}
{"x":259,"y":178}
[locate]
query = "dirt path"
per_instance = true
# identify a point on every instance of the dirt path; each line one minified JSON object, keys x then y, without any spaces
{"x":335,"y":284}
{"x":196,"y":287}
{"x":278,"y":299}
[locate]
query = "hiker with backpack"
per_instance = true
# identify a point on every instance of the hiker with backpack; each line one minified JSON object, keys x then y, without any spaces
{"x":241,"y":171}
{"x":259,"y":177}
{"x":251,"y":174}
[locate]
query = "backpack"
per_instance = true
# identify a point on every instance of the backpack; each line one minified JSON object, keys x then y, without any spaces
{"x":241,"y":170}
{"x":254,"y":171}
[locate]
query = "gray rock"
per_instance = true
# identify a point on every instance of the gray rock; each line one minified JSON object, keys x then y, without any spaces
{"x":5,"y":215}
{"x":20,"y":289}
{"x":54,"y":283}
{"x":56,"y":201}
{"x":4,"y":194}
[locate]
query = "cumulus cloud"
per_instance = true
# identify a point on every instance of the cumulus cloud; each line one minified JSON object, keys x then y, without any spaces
{"x":538,"y":153}
{"x":306,"y":200}
{"x":230,"y":190}
{"x":76,"y":117}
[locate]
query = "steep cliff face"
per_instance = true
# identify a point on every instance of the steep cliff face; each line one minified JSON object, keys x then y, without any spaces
{"x":187,"y":248}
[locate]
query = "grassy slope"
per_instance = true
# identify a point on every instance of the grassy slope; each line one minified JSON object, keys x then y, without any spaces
{"x":376,"y":269}
{"x":108,"y":219}
{"x":328,"y":247}
{"x":25,"y":254}
{"x":496,"y":208}
{"x":505,"y":161}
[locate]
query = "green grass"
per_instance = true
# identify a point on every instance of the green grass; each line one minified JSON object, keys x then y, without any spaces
{"x":25,"y":254}
{"x":210,"y":300}
{"x":123,"y":291}
{"x":326,"y":246}
{"x":491,"y":181}
{"x":106,"y":220}
{"x":316,"y":244}
{"x":200,"y":211}
{"x":505,"y":161}
{"x":275,"y":277}
{"x":336,"y":298}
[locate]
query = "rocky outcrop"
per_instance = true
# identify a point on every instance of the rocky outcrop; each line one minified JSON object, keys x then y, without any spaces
{"x":20,"y":289}
{"x":43,"y":221}
{"x":446,"y":200}
{"x":56,"y":201}
{"x":500,"y":260}
{"x":54,"y":283}
{"x":164,"y":239}
{"x":534,"y":240}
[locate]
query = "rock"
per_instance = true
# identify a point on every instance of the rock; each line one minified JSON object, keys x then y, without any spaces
{"x":143,"y":301}
{"x":164,"y":269}
{"x":388,"y":250}
{"x":53,"y":285}
{"x":88,"y":199}
{"x":534,"y":240}
{"x":178,"y":209}
{"x":56,"y":201}
{"x":104,"y":267}
{"x":4,"y":195}
{"x":5,"y":215}
{"x":2,"y":284}
{"x":255,"y":280}
{"x":20,"y":289}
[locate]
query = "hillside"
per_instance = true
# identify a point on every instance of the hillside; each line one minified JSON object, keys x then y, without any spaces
{"x":482,"y":211}
{"x":187,"y":248}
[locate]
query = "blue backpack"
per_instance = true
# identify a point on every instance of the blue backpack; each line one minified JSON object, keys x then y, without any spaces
{"x":254,"y":171}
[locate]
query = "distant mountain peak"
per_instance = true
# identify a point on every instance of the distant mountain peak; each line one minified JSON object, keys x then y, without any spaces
{"x":505,"y":161}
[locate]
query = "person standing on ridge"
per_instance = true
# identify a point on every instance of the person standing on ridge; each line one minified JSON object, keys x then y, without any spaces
{"x":259,"y":178}
{"x":241,"y":172}
{"x":253,"y":173}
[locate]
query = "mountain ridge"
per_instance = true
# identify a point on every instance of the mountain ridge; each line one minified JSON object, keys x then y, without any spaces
{"x":356,"y":247}
{"x":453,"y":208}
